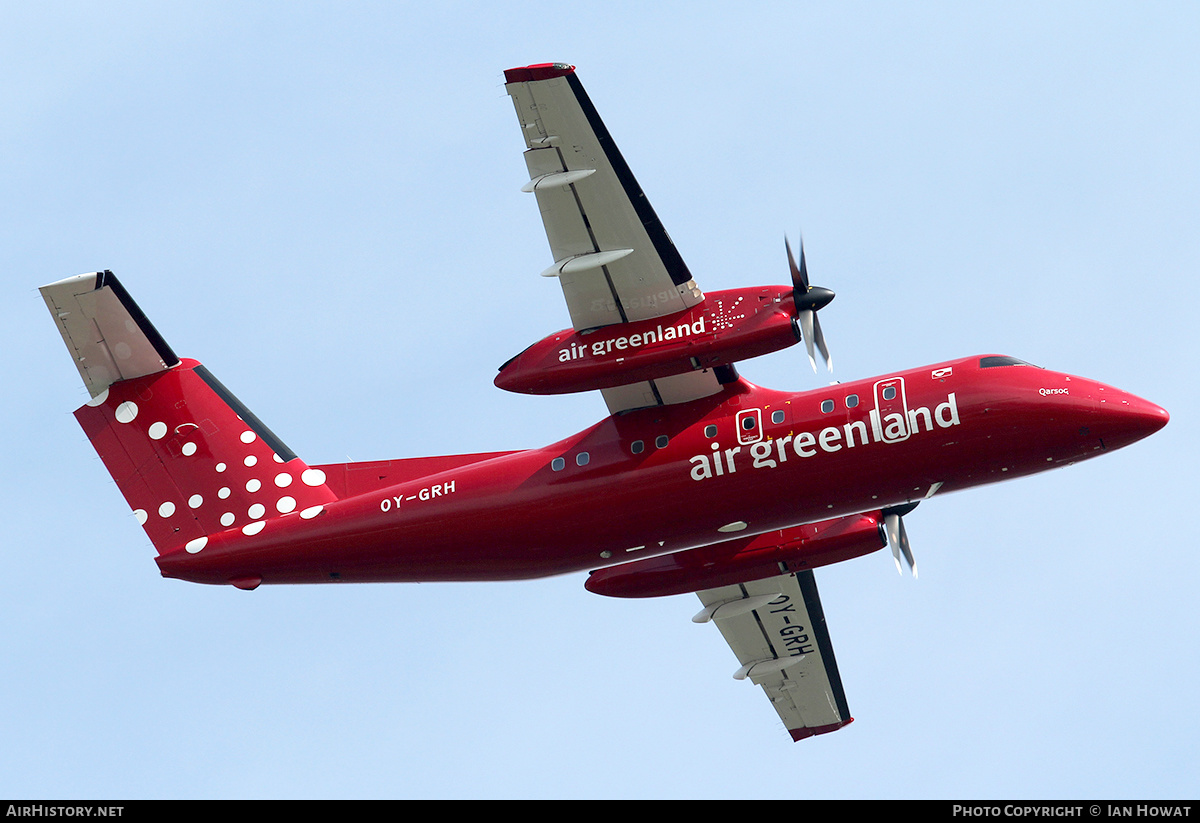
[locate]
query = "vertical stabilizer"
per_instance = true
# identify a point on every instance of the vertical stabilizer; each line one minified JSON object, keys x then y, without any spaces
{"x":189,"y":458}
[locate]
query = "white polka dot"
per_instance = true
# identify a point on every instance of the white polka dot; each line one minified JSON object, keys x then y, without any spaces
{"x":126,"y":412}
{"x":166,"y":509}
{"x":247,"y":437}
{"x":253,"y":485}
{"x":122,"y":350}
{"x":256,"y":511}
{"x":158,"y":430}
{"x":283,"y":480}
{"x":196,"y":545}
{"x":223,"y":492}
{"x":227,"y":519}
{"x":277,"y":458}
{"x":189,"y":449}
{"x":286,"y":504}
{"x":141,"y":516}
{"x":194,"y":501}
{"x":221,"y":467}
{"x":313,"y":477}
{"x":99,"y":399}
{"x":250,"y":461}
{"x":311,"y":512}
{"x":253,"y":528}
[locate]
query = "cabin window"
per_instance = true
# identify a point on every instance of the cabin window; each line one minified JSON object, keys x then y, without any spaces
{"x":827,"y":406}
{"x":661,"y":441}
{"x":777,"y":416}
{"x":558,"y":464}
{"x":748,"y":423}
{"x":851,"y":401}
{"x":889,"y":392}
{"x":582,"y":459}
{"x":710,"y":431}
{"x":637,"y":447}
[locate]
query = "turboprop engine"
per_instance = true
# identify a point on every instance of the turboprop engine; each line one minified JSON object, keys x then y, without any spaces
{"x":727,"y":326}
{"x":744,"y":559}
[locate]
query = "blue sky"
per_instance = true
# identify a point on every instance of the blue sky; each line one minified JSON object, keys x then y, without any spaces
{"x":321,"y":202}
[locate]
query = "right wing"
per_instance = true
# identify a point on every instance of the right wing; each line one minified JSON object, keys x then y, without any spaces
{"x":776,"y":629}
{"x":612,"y":255}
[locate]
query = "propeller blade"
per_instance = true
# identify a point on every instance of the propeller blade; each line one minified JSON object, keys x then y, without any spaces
{"x":824,"y":349}
{"x":892,"y":523}
{"x":808,"y":322}
{"x":897,"y":536}
{"x":799,"y":273}
{"x":906,"y":549}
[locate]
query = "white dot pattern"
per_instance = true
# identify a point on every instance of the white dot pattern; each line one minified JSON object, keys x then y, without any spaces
{"x":209,"y":473}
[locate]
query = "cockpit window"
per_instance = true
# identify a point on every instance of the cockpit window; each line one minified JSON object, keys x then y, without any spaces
{"x":1002,"y":360}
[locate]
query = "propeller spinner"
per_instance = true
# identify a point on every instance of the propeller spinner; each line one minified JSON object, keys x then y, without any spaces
{"x":808,"y":301}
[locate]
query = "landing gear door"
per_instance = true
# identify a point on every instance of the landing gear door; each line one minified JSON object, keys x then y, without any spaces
{"x":890,"y":415}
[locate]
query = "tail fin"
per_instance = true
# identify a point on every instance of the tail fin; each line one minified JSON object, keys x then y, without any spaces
{"x":189,"y":458}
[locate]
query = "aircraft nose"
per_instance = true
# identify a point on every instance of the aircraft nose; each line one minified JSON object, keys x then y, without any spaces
{"x":1128,"y":418}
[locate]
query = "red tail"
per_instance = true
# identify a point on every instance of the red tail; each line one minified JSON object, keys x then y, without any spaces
{"x":190,"y":459}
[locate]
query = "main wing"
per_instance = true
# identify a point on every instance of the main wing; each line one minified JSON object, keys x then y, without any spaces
{"x":776,"y":629}
{"x":612,"y":256}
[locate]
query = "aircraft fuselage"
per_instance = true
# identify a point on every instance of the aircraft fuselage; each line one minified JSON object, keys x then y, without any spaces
{"x":746,"y":461}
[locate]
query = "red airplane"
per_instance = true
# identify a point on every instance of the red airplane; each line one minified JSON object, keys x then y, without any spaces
{"x":697,"y":481}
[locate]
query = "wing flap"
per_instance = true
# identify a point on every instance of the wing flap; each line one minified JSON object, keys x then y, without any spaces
{"x":776,"y":629}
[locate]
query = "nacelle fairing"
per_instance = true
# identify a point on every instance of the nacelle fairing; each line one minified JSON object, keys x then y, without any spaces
{"x":743,"y":560}
{"x":726,"y":327}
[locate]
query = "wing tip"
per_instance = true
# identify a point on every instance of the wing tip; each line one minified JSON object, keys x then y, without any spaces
{"x":537,"y":71}
{"x":810,"y":731}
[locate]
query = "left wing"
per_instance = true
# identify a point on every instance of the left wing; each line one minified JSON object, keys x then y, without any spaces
{"x":777,"y":631}
{"x":612,"y":256}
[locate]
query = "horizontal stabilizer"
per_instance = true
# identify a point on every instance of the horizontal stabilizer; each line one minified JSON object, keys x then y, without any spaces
{"x":107,"y":334}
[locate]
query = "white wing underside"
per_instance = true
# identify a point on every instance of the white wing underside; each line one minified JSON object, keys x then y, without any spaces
{"x":612,"y":256}
{"x":776,"y":629}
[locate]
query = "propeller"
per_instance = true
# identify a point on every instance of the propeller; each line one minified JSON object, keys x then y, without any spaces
{"x":893,"y":523}
{"x":808,"y":301}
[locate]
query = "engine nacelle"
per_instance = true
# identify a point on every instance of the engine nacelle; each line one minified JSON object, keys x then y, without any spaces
{"x":744,"y":559}
{"x":727,"y":326}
